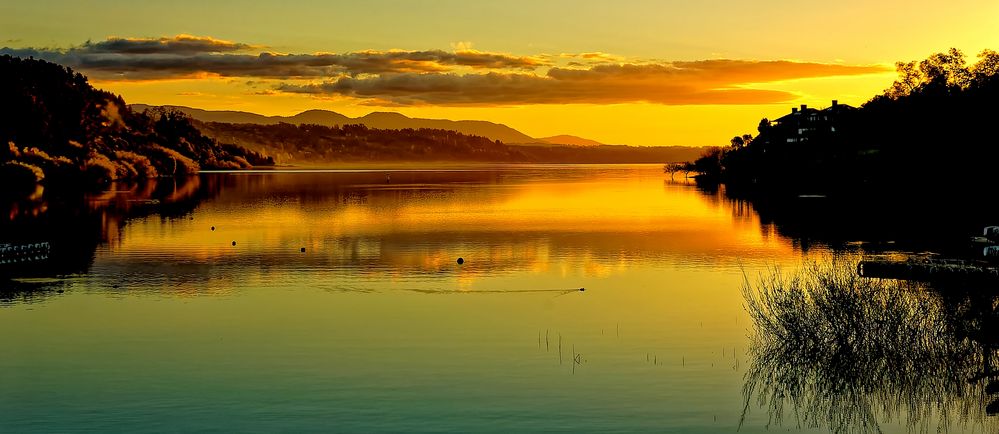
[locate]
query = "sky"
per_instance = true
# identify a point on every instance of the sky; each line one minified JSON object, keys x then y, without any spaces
{"x":623,"y":72}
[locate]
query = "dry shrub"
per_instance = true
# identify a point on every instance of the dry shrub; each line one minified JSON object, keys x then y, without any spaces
{"x":170,"y":162}
{"x":100,"y":168}
{"x":140,"y":164}
{"x":16,"y":172}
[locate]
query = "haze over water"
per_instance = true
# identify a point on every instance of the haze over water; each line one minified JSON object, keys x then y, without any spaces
{"x":377,"y":327}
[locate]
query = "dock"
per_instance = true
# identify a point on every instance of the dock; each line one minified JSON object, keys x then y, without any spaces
{"x":929,"y":270}
{"x":25,"y":253}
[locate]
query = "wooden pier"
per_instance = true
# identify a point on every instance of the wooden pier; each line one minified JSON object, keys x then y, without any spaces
{"x":16,"y":254}
{"x":927,"y":270}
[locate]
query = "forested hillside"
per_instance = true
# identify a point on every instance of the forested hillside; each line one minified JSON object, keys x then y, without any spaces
{"x":56,"y":127}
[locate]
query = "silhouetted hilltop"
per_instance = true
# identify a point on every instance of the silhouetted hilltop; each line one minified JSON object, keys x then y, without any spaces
{"x":932,"y":133}
{"x":54,"y":126}
{"x":379,"y":120}
{"x":565,"y":139}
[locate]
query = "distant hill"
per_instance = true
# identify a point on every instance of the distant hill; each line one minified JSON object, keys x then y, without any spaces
{"x":565,"y":139}
{"x":316,"y":144}
{"x":379,"y":120}
{"x":310,"y":143}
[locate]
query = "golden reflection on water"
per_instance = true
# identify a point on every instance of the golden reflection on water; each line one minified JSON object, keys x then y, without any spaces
{"x":595,"y":225}
{"x":378,"y":313}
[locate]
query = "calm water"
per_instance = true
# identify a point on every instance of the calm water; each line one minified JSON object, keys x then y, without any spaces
{"x":149,"y":320}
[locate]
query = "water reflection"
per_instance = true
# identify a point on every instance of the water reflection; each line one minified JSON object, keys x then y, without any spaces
{"x":871,"y":221}
{"x":835,"y":351}
{"x":76,"y":224}
{"x":593,"y":222}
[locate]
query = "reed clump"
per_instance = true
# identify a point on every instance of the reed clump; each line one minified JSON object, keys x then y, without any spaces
{"x":848,"y":353}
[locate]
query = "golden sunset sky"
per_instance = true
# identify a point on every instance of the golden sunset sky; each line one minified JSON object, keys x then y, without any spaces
{"x":623,"y":72}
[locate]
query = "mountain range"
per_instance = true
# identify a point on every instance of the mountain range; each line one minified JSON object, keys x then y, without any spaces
{"x":380,"y":120}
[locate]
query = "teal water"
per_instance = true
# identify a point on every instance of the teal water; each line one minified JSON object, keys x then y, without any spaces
{"x":166,"y":326}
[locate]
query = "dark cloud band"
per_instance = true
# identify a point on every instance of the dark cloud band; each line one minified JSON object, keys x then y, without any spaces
{"x":180,"y":44}
{"x":185,"y":56}
{"x":437,"y":77}
{"x":676,"y":83}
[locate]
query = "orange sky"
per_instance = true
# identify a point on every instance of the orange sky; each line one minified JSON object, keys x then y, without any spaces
{"x":631,"y":72}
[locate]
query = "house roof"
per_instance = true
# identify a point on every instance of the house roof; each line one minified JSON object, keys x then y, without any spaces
{"x":794,"y":115}
{"x":790,"y":117}
{"x":839,"y":107}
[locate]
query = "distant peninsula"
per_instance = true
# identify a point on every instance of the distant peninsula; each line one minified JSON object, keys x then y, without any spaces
{"x":310,"y":144}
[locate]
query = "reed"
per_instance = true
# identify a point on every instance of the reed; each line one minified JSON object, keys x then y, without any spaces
{"x":848,"y":353}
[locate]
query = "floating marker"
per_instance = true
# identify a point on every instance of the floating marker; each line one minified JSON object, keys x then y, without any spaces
{"x":213,"y":228}
{"x":461,"y":261}
{"x":303,"y":249}
{"x":234,"y":243}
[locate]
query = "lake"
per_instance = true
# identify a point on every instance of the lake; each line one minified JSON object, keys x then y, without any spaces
{"x":588,"y":298}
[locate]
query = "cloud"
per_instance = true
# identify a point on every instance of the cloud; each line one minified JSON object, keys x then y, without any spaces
{"x":184,"y":56}
{"x":593,"y":56}
{"x":463,"y":76}
{"x":672,"y":83}
{"x":180,"y":44}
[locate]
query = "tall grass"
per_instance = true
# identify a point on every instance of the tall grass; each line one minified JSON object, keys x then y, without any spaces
{"x":847,"y":353}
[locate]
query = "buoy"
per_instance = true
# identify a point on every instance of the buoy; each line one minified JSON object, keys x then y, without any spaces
{"x":213,"y":228}
{"x":234,"y":243}
{"x":461,"y":261}
{"x":303,"y":249}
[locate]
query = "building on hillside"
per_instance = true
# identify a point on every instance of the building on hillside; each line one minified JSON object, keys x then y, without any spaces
{"x":805,"y":124}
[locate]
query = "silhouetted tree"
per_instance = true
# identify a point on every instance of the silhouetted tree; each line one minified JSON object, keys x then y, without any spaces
{"x":763,"y":126}
{"x":672,"y":168}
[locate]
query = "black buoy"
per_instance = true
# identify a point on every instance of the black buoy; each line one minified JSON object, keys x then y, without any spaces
{"x":461,"y":261}
{"x":213,"y":228}
{"x":234,"y":243}
{"x":303,"y":249}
